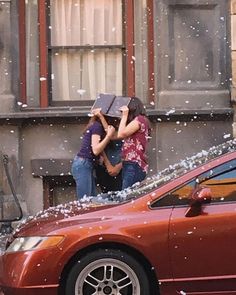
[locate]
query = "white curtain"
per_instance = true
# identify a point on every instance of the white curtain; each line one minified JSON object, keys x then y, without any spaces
{"x":82,"y":74}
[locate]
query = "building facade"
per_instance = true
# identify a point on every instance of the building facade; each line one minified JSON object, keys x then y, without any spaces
{"x":56,"y":56}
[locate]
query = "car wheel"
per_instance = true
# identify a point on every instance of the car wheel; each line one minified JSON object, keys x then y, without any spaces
{"x":107,"y":272}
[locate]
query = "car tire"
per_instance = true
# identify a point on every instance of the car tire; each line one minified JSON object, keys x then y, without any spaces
{"x":107,"y":271}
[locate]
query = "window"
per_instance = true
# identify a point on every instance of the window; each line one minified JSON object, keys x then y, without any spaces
{"x":70,"y":51}
{"x":86,"y":48}
{"x":58,"y":190}
{"x":177,"y":197}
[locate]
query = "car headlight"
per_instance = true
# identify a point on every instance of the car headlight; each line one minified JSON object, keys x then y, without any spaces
{"x":33,"y":243}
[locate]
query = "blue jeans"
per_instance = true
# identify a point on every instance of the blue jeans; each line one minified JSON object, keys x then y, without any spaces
{"x":83,"y":173}
{"x":131,"y":173}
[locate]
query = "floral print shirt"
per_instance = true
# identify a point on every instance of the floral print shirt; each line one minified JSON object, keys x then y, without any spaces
{"x":134,"y":146}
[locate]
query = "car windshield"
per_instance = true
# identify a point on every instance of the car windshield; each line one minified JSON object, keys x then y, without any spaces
{"x":164,"y":176}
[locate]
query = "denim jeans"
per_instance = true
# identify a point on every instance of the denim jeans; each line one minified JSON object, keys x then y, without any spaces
{"x":83,"y":173}
{"x":131,"y":173}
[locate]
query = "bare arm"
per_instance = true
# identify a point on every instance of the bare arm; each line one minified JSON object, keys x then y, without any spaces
{"x":99,"y":145}
{"x":112,"y":170}
{"x":106,"y":161}
{"x":127,"y":130}
{"x":98,"y":113}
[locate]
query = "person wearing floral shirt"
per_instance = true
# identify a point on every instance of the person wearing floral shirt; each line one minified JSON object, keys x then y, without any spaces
{"x":134,"y":129}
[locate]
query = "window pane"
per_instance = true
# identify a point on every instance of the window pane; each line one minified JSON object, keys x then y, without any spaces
{"x":80,"y":75}
{"x":5,"y":41}
{"x":83,"y":74}
{"x":61,"y":189}
{"x":86,"y":22}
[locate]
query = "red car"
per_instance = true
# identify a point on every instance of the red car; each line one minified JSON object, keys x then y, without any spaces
{"x":174,"y":233}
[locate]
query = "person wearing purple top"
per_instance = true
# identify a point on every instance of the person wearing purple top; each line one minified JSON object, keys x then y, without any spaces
{"x":94,"y":141}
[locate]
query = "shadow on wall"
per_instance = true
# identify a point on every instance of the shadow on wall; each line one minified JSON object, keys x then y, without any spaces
{"x":13,"y":170}
{"x":1,"y":43}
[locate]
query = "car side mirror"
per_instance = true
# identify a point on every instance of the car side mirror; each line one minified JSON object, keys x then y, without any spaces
{"x":199,"y":197}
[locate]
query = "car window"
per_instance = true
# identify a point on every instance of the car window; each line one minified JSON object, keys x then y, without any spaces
{"x":221,"y":180}
{"x":228,"y":166}
{"x":223,"y":186}
{"x":177,"y":197}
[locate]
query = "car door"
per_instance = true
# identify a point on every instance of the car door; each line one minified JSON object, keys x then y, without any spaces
{"x":203,"y":247}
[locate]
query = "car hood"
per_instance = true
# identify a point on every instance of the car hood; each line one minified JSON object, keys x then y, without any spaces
{"x":60,"y":216}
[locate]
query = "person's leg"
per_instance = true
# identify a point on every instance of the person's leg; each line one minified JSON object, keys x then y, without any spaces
{"x":116,"y":182}
{"x":102,"y":178}
{"x":82,"y":171}
{"x":140,"y":174}
{"x":131,"y":173}
{"x":128,"y":174}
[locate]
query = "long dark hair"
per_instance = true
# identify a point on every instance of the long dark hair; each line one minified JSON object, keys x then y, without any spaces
{"x":137,"y":108}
